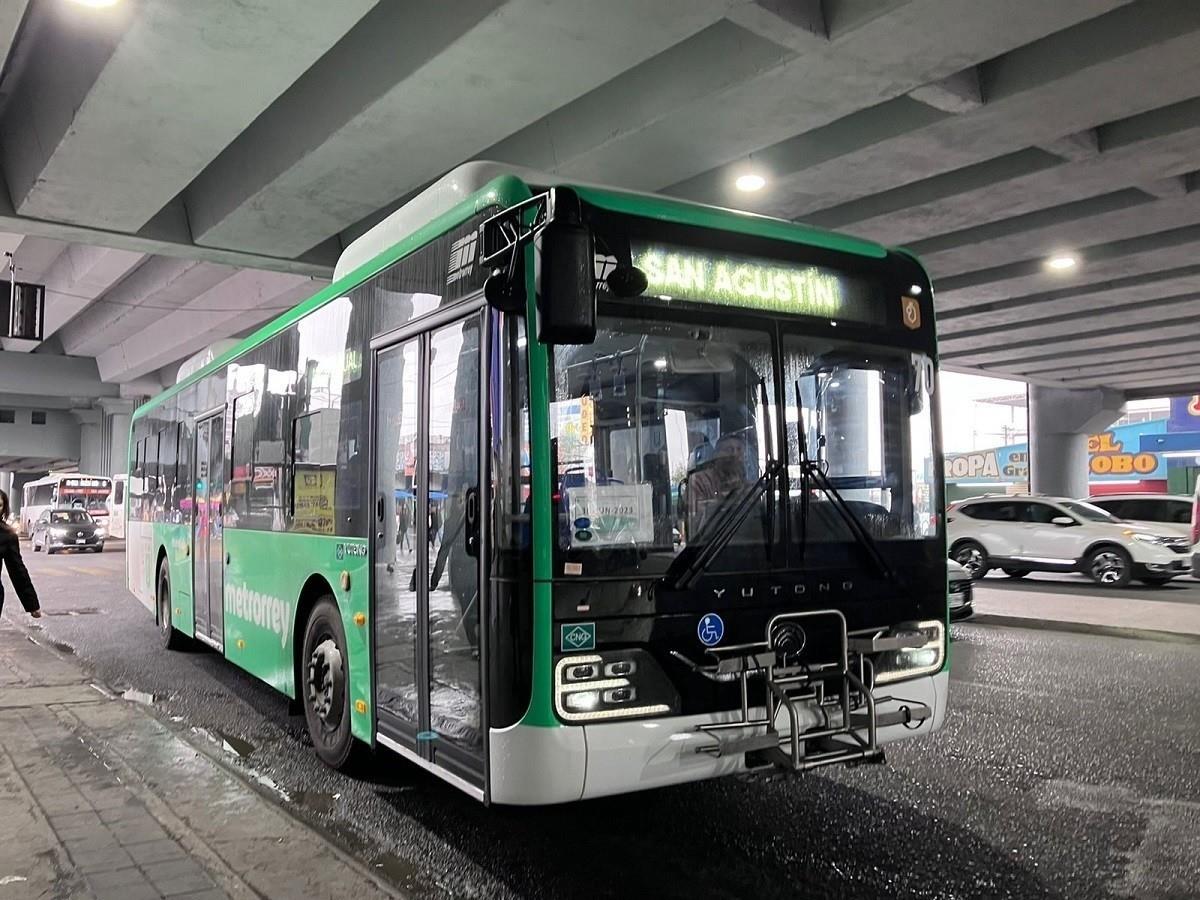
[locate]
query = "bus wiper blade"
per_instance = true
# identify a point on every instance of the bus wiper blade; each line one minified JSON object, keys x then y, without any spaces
{"x":812,"y":473}
{"x":723,"y":529}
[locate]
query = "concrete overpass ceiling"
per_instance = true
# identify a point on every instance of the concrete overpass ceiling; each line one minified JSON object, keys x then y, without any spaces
{"x":179,"y":173}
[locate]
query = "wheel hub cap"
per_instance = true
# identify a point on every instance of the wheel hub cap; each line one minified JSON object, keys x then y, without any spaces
{"x":325,"y":680}
{"x":1108,"y":568}
{"x":971,"y":560}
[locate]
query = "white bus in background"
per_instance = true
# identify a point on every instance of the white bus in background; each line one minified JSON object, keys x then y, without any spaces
{"x":65,"y":489}
{"x":116,"y":507}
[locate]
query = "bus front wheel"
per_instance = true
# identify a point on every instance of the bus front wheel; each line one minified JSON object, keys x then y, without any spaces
{"x":171,"y":637}
{"x":324,"y":687}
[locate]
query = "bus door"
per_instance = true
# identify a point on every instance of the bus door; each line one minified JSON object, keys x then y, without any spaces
{"x":428,"y":643}
{"x":208,"y":545}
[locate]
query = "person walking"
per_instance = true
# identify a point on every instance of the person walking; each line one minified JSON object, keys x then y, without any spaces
{"x":10,"y":557}
{"x":403,"y":523}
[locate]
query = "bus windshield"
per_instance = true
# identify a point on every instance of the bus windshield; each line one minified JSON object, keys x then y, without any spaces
{"x":662,"y":426}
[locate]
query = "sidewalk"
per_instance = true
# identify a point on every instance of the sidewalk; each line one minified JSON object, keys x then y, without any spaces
{"x":1116,"y":615}
{"x":98,"y":799}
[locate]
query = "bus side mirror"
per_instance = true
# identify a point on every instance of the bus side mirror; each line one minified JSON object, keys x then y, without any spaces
{"x":566,"y":275}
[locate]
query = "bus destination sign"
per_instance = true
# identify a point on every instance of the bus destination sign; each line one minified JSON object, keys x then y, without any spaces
{"x":679,"y":273}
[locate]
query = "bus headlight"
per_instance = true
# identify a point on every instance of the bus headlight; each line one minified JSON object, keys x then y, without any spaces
{"x":911,"y":662}
{"x":618,"y":684}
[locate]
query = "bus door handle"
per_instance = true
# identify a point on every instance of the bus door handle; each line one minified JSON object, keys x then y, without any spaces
{"x":471,"y":502}
{"x":379,"y":508}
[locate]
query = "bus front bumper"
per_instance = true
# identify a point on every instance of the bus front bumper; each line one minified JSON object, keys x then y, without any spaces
{"x":532,"y":766}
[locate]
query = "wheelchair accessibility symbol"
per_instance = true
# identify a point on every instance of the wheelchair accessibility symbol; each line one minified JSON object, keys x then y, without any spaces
{"x":710,"y":629}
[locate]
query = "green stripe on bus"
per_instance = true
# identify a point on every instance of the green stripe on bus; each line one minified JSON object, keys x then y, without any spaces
{"x":666,"y":209}
{"x":541,"y":710}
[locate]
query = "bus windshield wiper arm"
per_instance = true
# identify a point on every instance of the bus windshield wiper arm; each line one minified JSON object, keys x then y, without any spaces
{"x":723,"y":528}
{"x":683,"y":574}
{"x":811,"y":474}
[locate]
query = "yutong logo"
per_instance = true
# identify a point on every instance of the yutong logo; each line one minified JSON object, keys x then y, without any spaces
{"x":462,"y":258}
{"x":781,"y":590}
{"x":262,"y":610}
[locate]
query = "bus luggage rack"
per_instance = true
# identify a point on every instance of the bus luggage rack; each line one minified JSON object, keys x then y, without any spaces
{"x":831,"y":711}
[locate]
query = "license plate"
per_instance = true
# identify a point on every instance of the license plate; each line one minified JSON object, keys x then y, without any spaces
{"x":81,"y":540}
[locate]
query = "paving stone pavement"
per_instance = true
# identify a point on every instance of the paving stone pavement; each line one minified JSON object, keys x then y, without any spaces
{"x":99,"y":800}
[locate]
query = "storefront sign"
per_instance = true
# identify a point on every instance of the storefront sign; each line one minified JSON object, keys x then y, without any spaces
{"x":1113,"y":455}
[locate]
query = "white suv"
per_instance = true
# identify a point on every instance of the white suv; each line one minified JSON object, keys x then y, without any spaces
{"x":1168,"y":513}
{"x":1022,"y":534}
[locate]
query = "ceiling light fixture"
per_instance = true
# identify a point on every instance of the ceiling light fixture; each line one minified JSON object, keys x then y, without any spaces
{"x":1062,"y":262}
{"x":750,"y":182}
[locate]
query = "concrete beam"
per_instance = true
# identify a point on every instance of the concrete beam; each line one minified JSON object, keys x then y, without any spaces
{"x":1082,"y":299}
{"x":39,"y":375}
{"x":246,"y":298}
{"x":1159,"y":143}
{"x":582,"y":137}
{"x":410,"y":92}
{"x":1156,"y":366}
{"x":798,"y":25}
{"x":1095,"y":343}
{"x":1066,"y":82}
{"x":1076,"y":147}
{"x":80,"y":275}
{"x":893,"y":53}
{"x":84,"y":100}
{"x":317,"y":263}
{"x":957,"y":94}
{"x":1129,"y":356}
{"x":12,"y":12}
{"x":1167,"y":188}
{"x":1144,"y":254}
{"x":147,"y":295}
{"x":1080,"y":322}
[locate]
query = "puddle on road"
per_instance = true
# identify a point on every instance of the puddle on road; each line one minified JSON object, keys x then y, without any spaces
{"x":317,"y":801}
{"x":64,"y":648}
{"x":236,"y":745}
{"x":401,"y":872}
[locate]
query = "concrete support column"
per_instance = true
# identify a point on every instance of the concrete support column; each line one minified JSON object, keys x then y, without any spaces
{"x":117,"y":415}
{"x":90,"y":443}
{"x":1060,"y":420}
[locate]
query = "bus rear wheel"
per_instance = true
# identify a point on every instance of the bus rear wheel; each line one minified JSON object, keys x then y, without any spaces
{"x":324,"y":687}
{"x":171,"y":637}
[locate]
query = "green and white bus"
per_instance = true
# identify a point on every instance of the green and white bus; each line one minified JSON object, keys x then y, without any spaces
{"x":561,"y":491}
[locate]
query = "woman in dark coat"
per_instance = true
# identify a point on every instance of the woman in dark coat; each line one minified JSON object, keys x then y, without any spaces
{"x":10,"y":557}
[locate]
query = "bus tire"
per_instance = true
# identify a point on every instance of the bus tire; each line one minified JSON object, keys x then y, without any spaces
{"x":324,"y":686}
{"x":171,"y":637}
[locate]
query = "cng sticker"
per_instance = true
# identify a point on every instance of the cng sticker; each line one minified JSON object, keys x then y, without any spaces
{"x":911,"y":310}
{"x":579,"y":636}
{"x":710,"y":629}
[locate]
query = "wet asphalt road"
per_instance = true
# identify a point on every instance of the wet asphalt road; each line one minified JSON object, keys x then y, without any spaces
{"x":1069,"y":767}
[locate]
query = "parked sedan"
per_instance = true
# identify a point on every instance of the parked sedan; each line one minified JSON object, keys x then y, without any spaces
{"x":961,"y":591}
{"x":67,"y":529}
